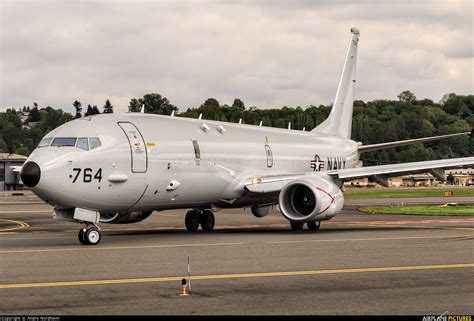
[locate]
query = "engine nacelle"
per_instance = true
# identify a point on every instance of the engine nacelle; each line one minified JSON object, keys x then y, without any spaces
{"x":124,"y":218}
{"x":260,"y":211}
{"x":310,"y":199}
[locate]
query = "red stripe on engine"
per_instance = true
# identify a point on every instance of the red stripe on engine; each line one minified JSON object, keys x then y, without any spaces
{"x":332,"y":199}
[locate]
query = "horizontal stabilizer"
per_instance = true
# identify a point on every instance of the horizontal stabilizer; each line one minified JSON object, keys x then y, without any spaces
{"x":370,"y":148}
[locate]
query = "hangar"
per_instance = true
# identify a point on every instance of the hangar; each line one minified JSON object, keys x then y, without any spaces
{"x":9,"y":171}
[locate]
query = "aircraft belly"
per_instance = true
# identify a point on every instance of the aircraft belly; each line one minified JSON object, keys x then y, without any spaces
{"x":198,"y":185}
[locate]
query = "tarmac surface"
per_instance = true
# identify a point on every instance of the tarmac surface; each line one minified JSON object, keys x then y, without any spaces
{"x":355,"y":264}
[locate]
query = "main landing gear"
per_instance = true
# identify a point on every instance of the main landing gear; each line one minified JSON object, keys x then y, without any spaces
{"x":312,"y":226}
{"x":194,"y":218}
{"x":89,"y":235}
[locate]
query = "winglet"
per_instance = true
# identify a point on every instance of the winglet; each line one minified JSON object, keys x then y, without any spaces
{"x":142,"y":110}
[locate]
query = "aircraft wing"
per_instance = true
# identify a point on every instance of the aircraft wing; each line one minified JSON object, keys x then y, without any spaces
{"x":379,"y":174}
{"x":392,"y":170}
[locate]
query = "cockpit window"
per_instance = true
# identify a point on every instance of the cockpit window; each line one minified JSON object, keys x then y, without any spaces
{"x":94,"y":142}
{"x":82,"y":143}
{"x":64,"y":141}
{"x":45,"y":142}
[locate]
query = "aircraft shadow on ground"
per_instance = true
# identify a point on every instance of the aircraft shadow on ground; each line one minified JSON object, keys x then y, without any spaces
{"x":259,"y":230}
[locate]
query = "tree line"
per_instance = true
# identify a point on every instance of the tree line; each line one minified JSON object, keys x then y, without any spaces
{"x":374,"y":121}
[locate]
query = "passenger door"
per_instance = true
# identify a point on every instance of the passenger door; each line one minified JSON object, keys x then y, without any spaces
{"x":139,"y":157}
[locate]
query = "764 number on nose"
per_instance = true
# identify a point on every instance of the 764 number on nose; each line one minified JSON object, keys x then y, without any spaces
{"x":87,"y":175}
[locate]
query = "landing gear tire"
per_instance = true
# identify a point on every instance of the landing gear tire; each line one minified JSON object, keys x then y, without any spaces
{"x":81,"y":236}
{"x":313,"y":226}
{"x":192,"y":220}
{"x":92,"y":236}
{"x":207,"y":221}
{"x":296,"y":226}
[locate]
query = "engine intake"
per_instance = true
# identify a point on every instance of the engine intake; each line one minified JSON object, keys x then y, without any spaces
{"x":310,"y":199}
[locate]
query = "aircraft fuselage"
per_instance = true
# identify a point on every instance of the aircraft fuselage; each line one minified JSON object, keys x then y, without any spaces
{"x":151,"y":162}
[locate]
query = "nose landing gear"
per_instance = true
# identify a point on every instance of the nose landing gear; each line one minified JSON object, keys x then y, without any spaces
{"x":194,"y":218}
{"x":89,"y":235}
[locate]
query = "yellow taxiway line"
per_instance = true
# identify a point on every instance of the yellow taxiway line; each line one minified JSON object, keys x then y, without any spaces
{"x":237,"y":276}
{"x":371,"y":239}
{"x":20,"y":223}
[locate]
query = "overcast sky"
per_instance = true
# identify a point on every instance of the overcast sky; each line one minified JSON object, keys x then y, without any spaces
{"x":267,"y":53}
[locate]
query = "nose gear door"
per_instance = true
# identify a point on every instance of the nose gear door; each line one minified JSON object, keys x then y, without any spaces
{"x":138,"y":149}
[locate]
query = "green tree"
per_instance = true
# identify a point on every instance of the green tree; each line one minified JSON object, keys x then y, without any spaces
{"x":3,"y":146}
{"x":34,"y":115}
{"x":108,"y":108}
{"x":88,"y":111}
{"x":156,"y":104}
{"x":239,"y":104}
{"x":78,"y":108}
{"x":406,"y":96}
{"x":153,"y":103}
{"x":95,"y":110}
{"x":134,"y":105}
{"x":23,"y":150}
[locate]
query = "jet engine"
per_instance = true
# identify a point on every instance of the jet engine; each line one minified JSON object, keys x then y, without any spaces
{"x":310,"y":199}
{"x":124,"y":218}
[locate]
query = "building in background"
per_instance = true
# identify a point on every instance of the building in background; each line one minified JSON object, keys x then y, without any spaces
{"x":10,"y":165}
{"x":461,"y":177}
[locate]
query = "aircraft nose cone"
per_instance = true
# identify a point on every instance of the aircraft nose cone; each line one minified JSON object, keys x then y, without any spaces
{"x":30,"y":174}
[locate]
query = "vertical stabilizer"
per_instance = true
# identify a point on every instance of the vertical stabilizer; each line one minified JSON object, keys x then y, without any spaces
{"x":339,"y":121}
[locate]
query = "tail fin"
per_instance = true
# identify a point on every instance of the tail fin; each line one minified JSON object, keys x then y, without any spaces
{"x":339,"y":121}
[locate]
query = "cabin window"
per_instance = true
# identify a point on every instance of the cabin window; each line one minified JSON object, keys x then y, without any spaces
{"x":197,"y":151}
{"x":82,"y":143}
{"x":64,"y":141}
{"x":45,"y":142}
{"x":94,"y":142}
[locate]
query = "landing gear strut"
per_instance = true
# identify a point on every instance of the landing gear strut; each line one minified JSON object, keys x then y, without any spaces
{"x":194,"y":218}
{"x":89,"y":235}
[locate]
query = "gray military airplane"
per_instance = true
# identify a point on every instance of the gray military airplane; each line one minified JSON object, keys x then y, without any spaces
{"x":119,"y":168}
